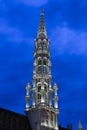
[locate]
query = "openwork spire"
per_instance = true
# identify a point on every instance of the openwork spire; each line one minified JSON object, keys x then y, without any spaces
{"x":42,"y":29}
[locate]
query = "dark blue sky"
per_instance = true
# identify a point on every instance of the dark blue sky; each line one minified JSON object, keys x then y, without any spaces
{"x":66,"y":23}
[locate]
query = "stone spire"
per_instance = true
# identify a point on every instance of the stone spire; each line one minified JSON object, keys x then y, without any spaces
{"x":42,"y":29}
{"x":42,"y":114}
{"x":80,"y":125}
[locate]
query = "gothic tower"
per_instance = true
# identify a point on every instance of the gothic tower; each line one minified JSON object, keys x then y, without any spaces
{"x":43,"y":113}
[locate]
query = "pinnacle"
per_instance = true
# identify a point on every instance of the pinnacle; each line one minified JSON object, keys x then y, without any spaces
{"x":80,"y":125}
{"x":42,"y":29}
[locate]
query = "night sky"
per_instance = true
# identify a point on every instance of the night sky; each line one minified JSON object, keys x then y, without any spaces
{"x":66,"y":23}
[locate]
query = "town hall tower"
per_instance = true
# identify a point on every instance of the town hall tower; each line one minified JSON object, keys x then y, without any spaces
{"x":43,"y":113}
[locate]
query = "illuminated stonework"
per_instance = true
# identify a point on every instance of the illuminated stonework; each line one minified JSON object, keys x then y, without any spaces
{"x":42,"y":114}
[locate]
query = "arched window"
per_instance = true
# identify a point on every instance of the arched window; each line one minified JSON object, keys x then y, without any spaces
{"x":39,"y":88}
{"x":46,"y":87}
{"x":44,"y":61}
{"x":39,"y":96}
{"x":39,"y":44}
{"x":46,"y":92}
{"x":39,"y":62}
{"x":47,"y":118}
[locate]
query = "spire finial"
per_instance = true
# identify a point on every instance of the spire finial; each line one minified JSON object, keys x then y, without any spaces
{"x":42,"y":11}
{"x":42,"y":28}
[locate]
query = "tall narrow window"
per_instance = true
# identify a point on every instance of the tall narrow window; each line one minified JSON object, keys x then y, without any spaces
{"x":44,"y":61}
{"x":39,"y":96}
{"x":47,"y":118}
{"x":52,"y":119}
{"x":45,"y":88}
{"x":39,"y":62}
{"x":39,"y":88}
